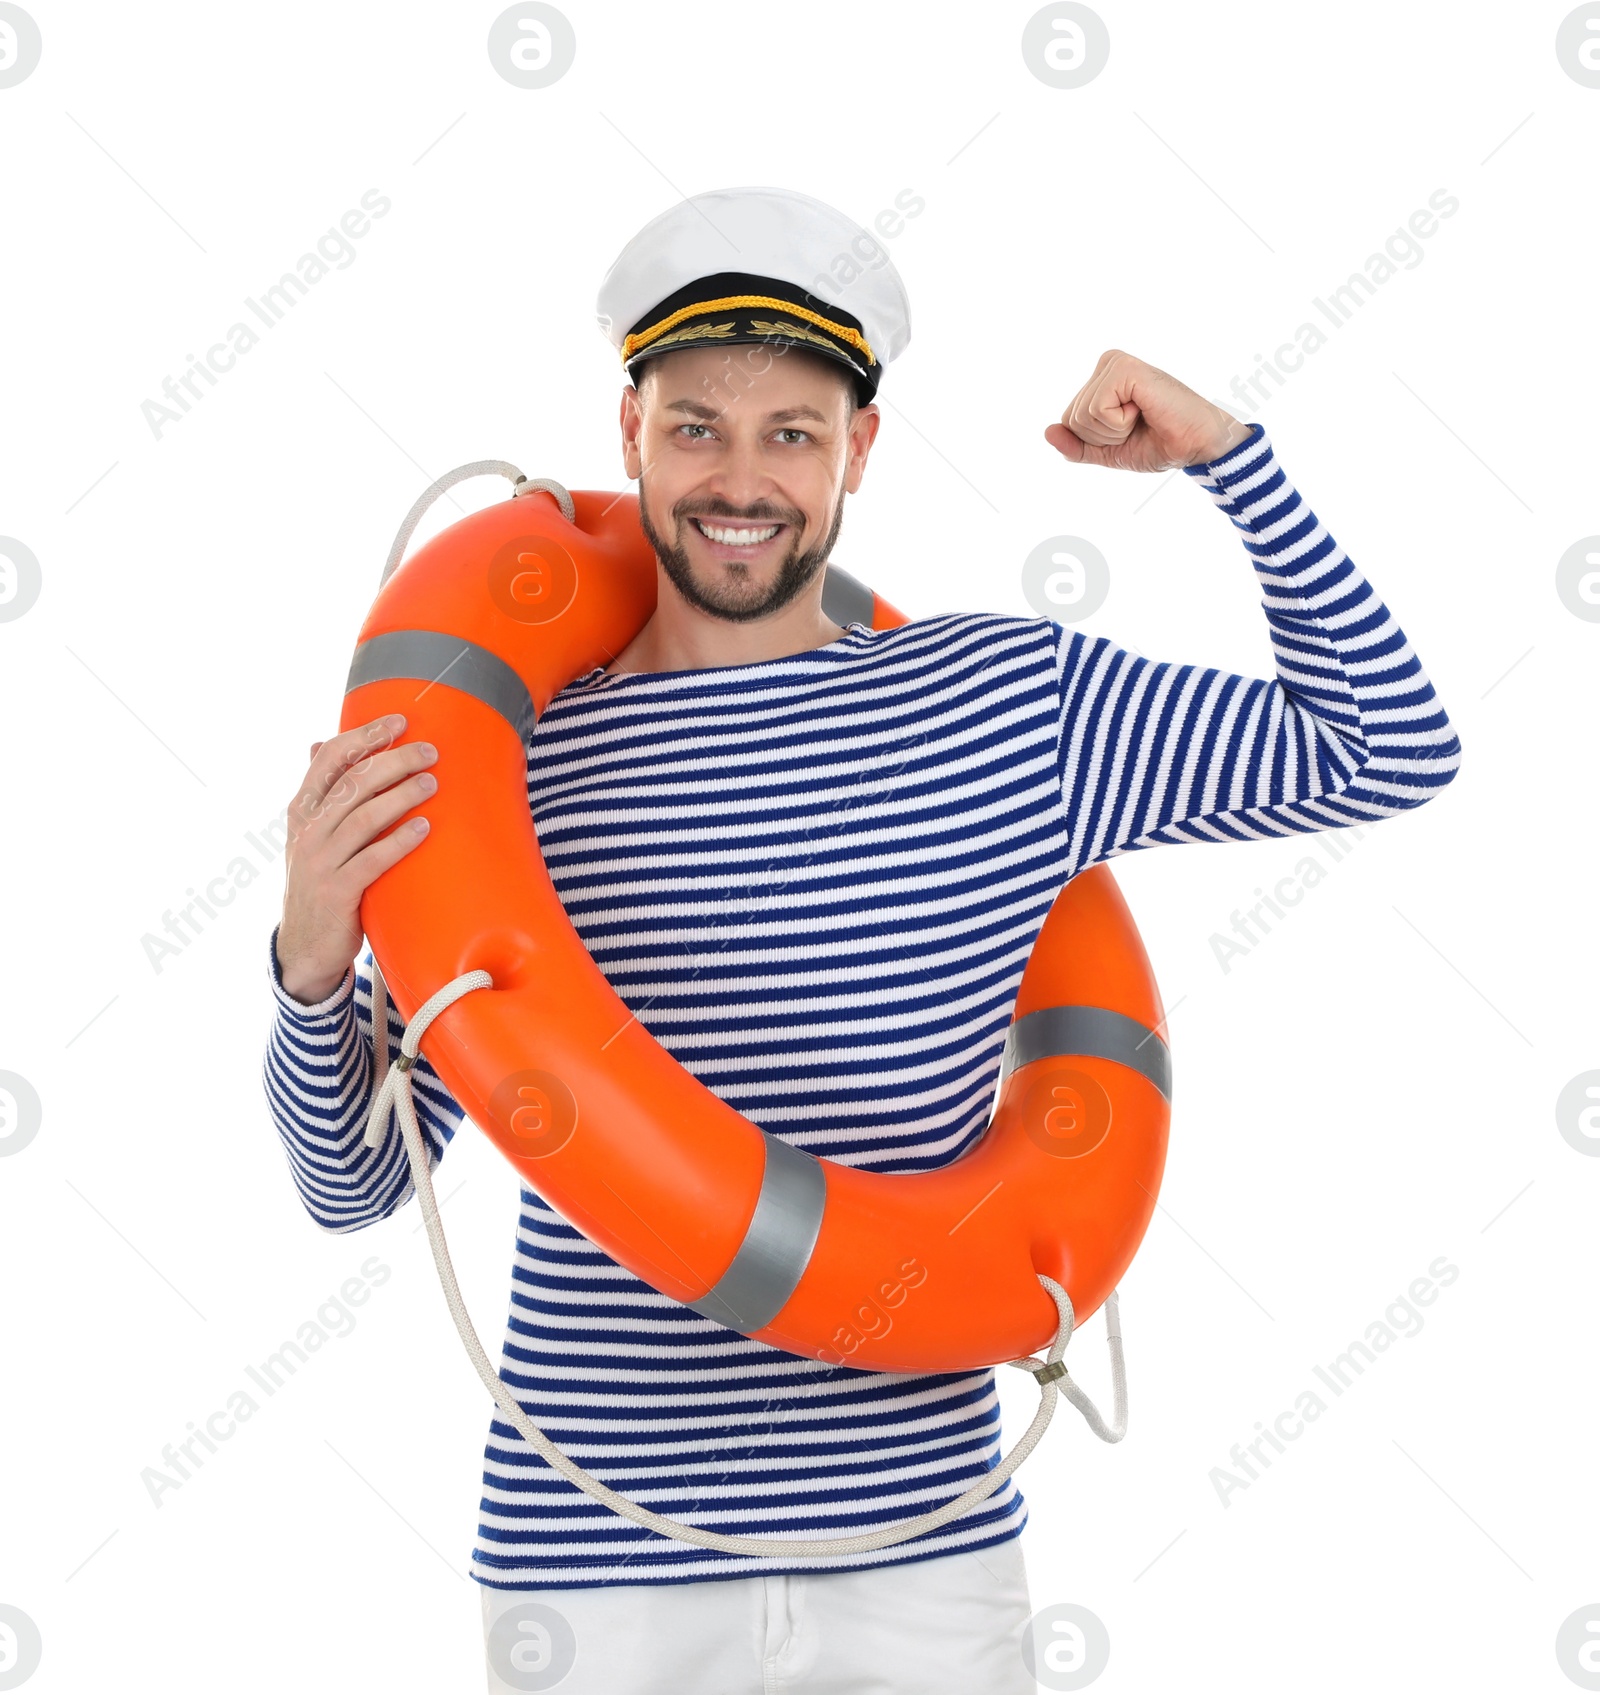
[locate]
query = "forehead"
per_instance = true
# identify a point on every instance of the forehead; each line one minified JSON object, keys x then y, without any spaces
{"x":765,"y":382}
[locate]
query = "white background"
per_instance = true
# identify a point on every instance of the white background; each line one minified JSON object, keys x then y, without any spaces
{"x":1372,"y":1087}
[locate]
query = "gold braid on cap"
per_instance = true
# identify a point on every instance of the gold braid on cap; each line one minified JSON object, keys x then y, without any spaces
{"x":641,"y":339}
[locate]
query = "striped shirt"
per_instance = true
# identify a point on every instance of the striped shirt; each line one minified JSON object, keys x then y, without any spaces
{"x":816,"y":881}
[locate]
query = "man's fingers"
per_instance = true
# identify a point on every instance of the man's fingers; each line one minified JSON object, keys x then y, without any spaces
{"x":339,"y":753}
{"x":365,"y":822}
{"x":1104,"y":412}
{"x":1076,"y":449}
{"x":370,"y":864}
{"x":1099,"y":416}
{"x":1068,"y":445}
{"x":352,"y":784}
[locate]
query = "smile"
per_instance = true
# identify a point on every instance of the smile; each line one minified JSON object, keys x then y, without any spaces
{"x":734,"y":535}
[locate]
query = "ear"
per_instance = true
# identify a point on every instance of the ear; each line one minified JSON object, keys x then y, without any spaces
{"x":631,"y":420}
{"x":863,"y":432}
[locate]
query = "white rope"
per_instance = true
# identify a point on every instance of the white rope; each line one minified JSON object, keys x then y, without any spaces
{"x":478,"y":468}
{"x":395,"y":1091}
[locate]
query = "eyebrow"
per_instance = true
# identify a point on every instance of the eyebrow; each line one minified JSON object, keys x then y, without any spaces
{"x":696,"y":409}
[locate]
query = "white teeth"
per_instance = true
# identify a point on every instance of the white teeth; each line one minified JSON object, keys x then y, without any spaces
{"x":738,"y":538}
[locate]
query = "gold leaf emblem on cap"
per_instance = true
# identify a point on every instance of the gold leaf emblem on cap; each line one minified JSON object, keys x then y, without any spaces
{"x":791,"y":332}
{"x":694,"y":332}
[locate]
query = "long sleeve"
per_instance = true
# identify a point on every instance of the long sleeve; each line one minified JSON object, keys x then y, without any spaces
{"x":318,"y":1076}
{"x":1350,"y":730}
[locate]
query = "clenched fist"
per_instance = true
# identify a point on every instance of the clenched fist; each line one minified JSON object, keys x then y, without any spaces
{"x":1132,"y":417}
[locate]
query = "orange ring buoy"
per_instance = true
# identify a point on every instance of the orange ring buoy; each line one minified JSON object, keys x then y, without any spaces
{"x":923,"y":1272}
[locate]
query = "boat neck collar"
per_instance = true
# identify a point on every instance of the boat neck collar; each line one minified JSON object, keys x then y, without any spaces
{"x":598,"y":675}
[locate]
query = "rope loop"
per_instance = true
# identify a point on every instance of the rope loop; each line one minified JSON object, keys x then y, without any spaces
{"x":520,"y":484}
{"x":395,"y":1091}
{"x":547,"y":485}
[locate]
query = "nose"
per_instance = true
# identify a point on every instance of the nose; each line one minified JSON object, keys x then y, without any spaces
{"x":740,"y":486}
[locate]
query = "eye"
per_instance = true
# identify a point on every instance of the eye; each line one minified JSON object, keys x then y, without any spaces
{"x":803,"y":433}
{"x":683,"y":427}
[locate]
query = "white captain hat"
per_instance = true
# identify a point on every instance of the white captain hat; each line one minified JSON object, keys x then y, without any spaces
{"x":742,"y":265}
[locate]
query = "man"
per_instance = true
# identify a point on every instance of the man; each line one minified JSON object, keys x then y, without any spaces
{"x":813,"y":859}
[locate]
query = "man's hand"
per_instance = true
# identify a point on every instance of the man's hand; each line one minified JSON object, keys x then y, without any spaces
{"x":358,"y":785}
{"x":1132,"y":417}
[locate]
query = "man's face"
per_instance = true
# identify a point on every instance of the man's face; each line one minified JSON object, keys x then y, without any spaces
{"x":744,"y":456}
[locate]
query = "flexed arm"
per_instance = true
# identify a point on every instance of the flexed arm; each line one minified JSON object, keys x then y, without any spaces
{"x":1350,"y":729}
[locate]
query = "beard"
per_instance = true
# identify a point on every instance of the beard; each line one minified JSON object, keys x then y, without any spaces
{"x":731,"y":593}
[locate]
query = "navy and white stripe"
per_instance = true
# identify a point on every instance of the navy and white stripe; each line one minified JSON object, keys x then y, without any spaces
{"x":816,"y":880}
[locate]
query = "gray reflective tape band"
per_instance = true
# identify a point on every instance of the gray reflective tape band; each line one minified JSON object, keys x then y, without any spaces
{"x":427,"y":656}
{"x":776,"y":1247}
{"x":845,"y":599}
{"x":1094,"y":1031}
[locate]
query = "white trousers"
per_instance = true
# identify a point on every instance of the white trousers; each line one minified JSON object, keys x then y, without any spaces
{"x":946,"y":1626}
